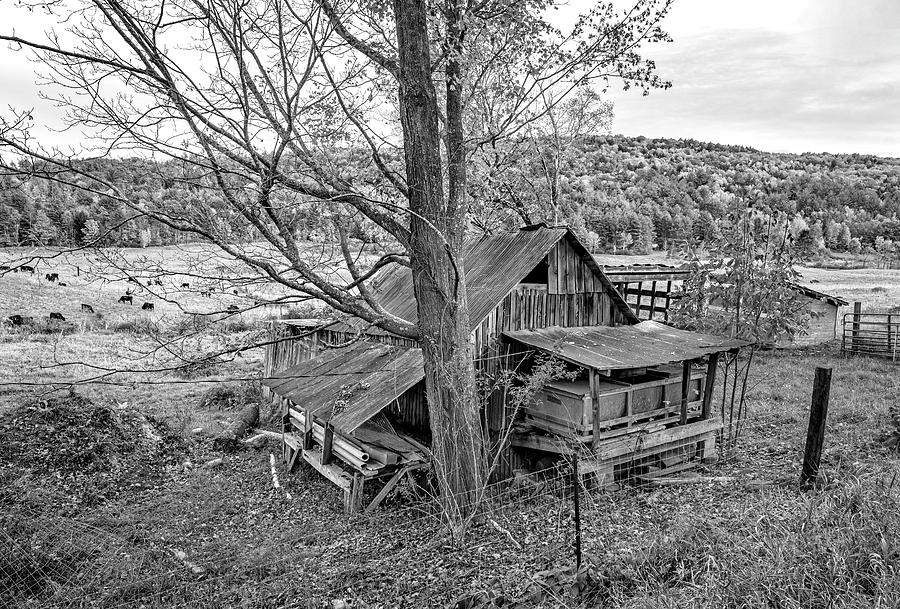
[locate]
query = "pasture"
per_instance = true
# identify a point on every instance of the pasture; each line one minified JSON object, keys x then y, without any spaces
{"x":745,"y":536}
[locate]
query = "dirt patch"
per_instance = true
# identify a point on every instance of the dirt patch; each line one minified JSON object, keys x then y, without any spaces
{"x":81,"y":452}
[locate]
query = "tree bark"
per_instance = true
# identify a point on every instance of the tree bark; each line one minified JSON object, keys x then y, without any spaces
{"x":436,"y":248}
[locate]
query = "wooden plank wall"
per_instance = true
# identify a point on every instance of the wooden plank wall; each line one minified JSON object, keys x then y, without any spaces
{"x":573,"y":297}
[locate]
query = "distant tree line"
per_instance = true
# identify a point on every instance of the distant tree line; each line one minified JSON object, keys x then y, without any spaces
{"x":622,"y":194}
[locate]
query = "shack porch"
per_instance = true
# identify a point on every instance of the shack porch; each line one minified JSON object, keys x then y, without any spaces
{"x":641,"y":400}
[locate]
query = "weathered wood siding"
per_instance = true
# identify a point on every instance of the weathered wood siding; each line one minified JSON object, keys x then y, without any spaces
{"x":823,"y":325}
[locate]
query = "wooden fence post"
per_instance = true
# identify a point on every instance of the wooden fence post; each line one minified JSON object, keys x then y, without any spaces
{"x":576,"y":490}
{"x":815,"y":434}
{"x":857,"y":309}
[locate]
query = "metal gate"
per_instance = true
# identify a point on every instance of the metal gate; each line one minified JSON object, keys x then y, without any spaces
{"x":875,"y":334}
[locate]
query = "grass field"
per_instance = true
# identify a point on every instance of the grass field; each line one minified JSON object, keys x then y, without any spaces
{"x":222,"y":536}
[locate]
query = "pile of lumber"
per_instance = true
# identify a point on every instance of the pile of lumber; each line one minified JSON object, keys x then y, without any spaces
{"x":368,"y":449}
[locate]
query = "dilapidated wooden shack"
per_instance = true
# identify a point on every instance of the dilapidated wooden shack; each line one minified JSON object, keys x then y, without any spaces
{"x":824,"y":312}
{"x":638,"y":395}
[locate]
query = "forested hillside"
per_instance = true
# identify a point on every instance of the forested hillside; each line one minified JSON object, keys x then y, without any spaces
{"x":622,"y":194}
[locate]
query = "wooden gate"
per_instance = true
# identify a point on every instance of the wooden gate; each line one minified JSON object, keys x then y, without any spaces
{"x":875,"y":334}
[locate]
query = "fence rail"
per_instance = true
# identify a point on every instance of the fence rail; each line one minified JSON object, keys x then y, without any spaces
{"x":875,"y":334}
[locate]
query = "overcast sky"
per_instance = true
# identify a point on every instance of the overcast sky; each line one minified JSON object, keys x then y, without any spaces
{"x":779,"y":75}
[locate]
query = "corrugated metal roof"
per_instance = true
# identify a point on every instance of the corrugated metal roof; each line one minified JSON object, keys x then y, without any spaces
{"x":494,"y":265}
{"x":648,"y":343}
{"x":350,"y":385}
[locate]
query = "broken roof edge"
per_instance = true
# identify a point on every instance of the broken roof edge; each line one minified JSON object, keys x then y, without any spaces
{"x":816,"y":294}
{"x":357,"y":377}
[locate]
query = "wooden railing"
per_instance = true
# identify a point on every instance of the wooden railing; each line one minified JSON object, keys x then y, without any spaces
{"x":875,"y":334}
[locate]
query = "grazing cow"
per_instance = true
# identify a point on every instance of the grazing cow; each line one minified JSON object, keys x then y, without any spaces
{"x":19,"y":320}
{"x":235,"y":292}
{"x":126,"y":299}
{"x":147,"y":306}
{"x":26,"y":269}
{"x":185,"y":285}
{"x":87,"y":308}
{"x":4,"y":268}
{"x":61,"y":284}
{"x":233,"y":308}
{"x":57,"y":317}
{"x":206,"y":293}
{"x":51,"y":277}
{"x":157,"y":282}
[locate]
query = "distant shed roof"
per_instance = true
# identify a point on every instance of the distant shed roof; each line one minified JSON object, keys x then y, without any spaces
{"x":629,"y":273}
{"x":350,"y":385}
{"x":811,"y":293}
{"x":494,"y":265}
{"x":648,"y":343}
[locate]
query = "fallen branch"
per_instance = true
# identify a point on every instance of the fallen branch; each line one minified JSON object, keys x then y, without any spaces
{"x":275,"y":481}
{"x":507,"y":533}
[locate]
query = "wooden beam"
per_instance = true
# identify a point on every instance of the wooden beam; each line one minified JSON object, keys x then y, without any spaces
{"x":595,"y":406}
{"x":328,"y":443}
{"x":709,"y":384}
{"x":307,"y":430}
{"x":685,"y":389}
{"x":384,"y":492}
{"x":652,"y":300}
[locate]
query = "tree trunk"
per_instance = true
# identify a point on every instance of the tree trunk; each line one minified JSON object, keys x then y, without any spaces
{"x":436,"y":244}
{"x":230,"y":438}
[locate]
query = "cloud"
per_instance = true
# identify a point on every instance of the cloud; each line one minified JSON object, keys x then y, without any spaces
{"x":812,"y":86}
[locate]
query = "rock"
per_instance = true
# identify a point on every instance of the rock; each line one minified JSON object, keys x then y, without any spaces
{"x":339,"y":603}
{"x":197,"y":431}
{"x":213,"y":463}
{"x":187,"y":465}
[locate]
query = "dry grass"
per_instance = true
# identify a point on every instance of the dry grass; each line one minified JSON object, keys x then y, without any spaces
{"x":751,"y":539}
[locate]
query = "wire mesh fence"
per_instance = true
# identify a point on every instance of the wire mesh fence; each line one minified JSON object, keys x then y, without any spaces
{"x":519,"y":549}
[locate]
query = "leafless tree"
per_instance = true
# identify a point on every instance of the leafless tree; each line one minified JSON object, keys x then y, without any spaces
{"x":263,"y":104}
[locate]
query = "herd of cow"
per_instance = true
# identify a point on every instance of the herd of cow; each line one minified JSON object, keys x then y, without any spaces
{"x":126,"y":298}
{"x":24,"y":320}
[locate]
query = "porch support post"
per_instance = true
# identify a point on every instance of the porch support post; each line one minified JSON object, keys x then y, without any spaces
{"x":710,"y":384}
{"x":685,"y":389}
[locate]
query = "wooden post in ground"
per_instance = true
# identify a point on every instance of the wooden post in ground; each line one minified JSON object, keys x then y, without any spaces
{"x":595,"y":408}
{"x":857,"y":309}
{"x":576,"y":484}
{"x":815,"y":434}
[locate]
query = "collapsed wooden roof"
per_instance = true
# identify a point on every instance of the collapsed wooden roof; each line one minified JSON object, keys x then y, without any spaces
{"x":350,"y":385}
{"x":648,"y":343}
{"x":494,"y":265}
